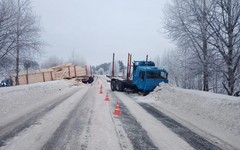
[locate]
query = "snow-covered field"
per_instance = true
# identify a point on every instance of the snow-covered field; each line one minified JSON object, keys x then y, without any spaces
{"x":84,"y":115}
{"x":203,"y":112}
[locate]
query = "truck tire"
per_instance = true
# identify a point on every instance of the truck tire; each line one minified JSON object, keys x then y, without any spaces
{"x":117,"y":86}
{"x":113,"y":85}
{"x":120,"y":86}
{"x":90,"y":80}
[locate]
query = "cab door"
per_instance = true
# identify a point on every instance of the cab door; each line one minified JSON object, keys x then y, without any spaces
{"x":142,"y":80}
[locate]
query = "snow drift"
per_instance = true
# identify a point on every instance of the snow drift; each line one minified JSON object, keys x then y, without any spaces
{"x":216,"y":114}
{"x":223,"y":109}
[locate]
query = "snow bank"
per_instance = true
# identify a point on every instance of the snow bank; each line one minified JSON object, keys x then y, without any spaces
{"x":17,"y":100}
{"x":216,"y":114}
{"x":222,"y":109}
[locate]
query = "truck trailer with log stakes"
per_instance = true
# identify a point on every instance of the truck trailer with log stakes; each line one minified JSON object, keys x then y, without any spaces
{"x":144,"y":78}
{"x":65,"y":71}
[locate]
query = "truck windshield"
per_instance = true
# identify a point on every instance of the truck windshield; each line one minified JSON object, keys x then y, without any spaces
{"x":156,"y":75}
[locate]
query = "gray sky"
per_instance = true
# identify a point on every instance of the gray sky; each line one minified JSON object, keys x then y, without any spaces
{"x":94,"y":29}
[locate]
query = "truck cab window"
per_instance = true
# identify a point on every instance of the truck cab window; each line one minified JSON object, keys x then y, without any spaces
{"x":156,"y":75}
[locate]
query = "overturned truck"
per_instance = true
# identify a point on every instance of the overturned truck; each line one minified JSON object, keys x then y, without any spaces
{"x":66,"y":71}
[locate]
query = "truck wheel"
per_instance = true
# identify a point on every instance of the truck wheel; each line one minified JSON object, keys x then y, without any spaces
{"x":120,"y":86}
{"x":113,"y":85}
{"x":90,"y":80}
{"x":117,"y":86}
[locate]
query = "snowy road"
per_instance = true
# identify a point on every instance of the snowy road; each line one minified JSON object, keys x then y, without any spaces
{"x":77,"y":117}
{"x":13,"y":128}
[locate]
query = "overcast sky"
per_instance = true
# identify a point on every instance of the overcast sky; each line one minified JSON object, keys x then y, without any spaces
{"x":94,"y":29}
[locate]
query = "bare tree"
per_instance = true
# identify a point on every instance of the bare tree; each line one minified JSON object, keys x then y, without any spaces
{"x":225,"y":24}
{"x":19,"y":34}
{"x":27,"y":31}
{"x":170,"y":62}
{"x":180,"y":70}
{"x":6,"y":65}
{"x":6,"y":28}
{"x":7,"y":36}
{"x":186,"y":23}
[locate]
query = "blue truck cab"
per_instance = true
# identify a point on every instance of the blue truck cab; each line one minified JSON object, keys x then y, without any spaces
{"x":146,"y":76}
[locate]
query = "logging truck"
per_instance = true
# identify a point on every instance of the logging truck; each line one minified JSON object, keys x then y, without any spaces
{"x":144,"y":78}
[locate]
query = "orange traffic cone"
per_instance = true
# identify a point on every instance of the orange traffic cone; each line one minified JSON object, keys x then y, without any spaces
{"x":107,"y":98}
{"x":101,"y":86}
{"x":91,"y":84}
{"x":117,"y":111}
{"x":100,"y":91}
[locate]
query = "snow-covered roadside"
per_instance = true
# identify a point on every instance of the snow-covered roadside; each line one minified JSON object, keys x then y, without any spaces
{"x":16,"y":101}
{"x":218,"y":115}
{"x":39,"y":133}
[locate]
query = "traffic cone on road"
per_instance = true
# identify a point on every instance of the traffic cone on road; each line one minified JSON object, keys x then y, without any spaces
{"x":91,"y":84}
{"x":101,"y":86}
{"x":107,"y":98}
{"x":100,"y":91}
{"x":117,"y":111}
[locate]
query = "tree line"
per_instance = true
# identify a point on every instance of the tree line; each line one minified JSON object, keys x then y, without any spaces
{"x":207,"y":33}
{"x":106,"y":69}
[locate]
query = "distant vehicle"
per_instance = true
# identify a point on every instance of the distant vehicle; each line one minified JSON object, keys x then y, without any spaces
{"x":146,"y":76}
{"x":6,"y":82}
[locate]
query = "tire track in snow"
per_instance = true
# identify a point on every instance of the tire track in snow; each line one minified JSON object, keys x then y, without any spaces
{"x":13,"y":128}
{"x":135,"y":132}
{"x":193,"y":139}
{"x":86,"y":134}
{"x":122,"y":136}
{"x":67,"y":135}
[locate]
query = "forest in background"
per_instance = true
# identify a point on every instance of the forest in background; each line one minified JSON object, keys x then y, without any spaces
{"x":207,"y":34}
